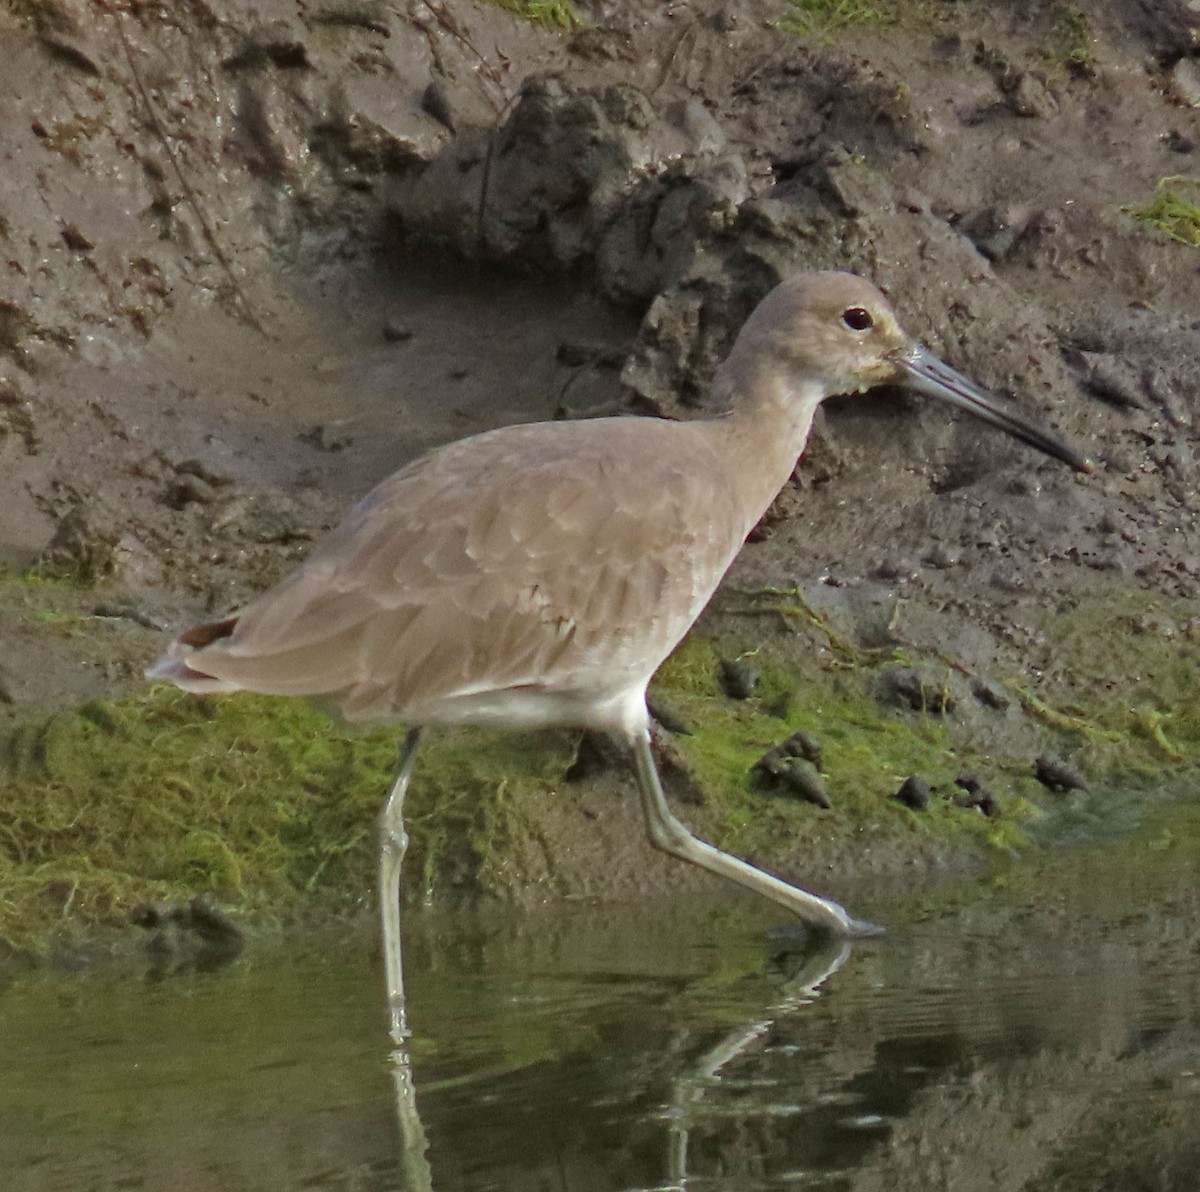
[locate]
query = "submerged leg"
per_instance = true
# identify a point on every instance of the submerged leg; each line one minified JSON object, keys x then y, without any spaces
{"x":668,"y":834}
{"x":393,"y":840}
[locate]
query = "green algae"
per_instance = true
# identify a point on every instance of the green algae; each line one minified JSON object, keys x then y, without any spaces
{"x":868,"y":752}
{"x":267,"y":806}
{"x":258,"y":801}
{"x":557,"y":13}
{"x":830,"y":16}
{"x":1068,"y":43}
{"x":1174,"y":210}
{"x":1130,"y":691}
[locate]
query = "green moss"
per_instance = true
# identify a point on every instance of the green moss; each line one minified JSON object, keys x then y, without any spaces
{"x":828,"y":16}
{"x":259,"y":801}
{"x":868,"y":752}
{"x":1072,"y":41}
{"x":1174,"y":210}
{"x":543,"y":12}
{"x":264,"y":804}
{"x":1130,"y":688}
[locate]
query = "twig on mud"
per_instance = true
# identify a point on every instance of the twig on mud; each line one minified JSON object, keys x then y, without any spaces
{"x":1054,"y":718}
{"x":791,"y":604}
{"x":487,"y":69}
{"x":1151,"y":723}
{"x":486,"y":179}
{"x":900,"y":641}
{"x":669,"y":59}
{"x":189,"y":195}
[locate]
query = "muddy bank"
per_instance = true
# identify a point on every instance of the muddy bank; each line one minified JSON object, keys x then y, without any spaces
{"x":256,"y":260}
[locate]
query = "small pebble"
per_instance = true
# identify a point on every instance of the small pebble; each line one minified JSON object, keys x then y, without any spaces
{"x":897,"y":569}
{"x":195,"y":467}
{"x":435,"y":102}
{"x":189,"y":490}
{"x":942,"y":556}
{"x":396,"y":333}
{"x":74,"y":239}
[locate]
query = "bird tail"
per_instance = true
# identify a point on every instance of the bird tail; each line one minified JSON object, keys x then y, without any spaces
{"x":174,"y":666}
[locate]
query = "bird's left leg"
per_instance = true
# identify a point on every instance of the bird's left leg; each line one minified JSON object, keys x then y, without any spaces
{"x":668,"y":834}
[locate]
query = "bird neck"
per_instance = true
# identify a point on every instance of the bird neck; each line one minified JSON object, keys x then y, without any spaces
{"x":768,"y":425}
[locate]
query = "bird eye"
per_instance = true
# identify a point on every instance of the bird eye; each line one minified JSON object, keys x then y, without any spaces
{"x":857,"y":319}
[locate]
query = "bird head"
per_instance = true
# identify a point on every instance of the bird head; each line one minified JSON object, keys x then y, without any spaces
{"x":836,"y":333}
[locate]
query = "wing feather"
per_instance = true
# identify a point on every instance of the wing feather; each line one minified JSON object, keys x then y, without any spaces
{"x":550,"y":555}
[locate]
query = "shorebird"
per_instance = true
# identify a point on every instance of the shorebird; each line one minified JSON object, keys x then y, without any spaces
{"x":540,"y":574}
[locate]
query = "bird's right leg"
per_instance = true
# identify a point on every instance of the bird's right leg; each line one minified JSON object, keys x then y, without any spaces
{"x":393,"y":840}
{"x":668,"y":834}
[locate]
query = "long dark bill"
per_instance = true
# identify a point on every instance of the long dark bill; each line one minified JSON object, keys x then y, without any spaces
{"x":925,"y":373}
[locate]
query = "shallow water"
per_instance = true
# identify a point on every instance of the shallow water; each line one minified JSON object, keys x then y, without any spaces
{"x":1039,"y":1030}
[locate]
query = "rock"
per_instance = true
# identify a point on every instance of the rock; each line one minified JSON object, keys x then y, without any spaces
{"x":268,"y":136}
{"x":189,"y":490}
{"x":323,"y":438}
{"x":16,"y":411}
{"x":435,"y":102}
{"x":989,"y":693}
{"x":901,"y":570}
{"x":196,"y":932}
{"x":1056,"y":775}
{"x":920,"y":690}
{"x":194,"y":467}
{"x":667,"y":716}
{"x":801,"y":744}
{"x":1029,"y":97}
{"x":260,"y":520}
{"x":976,"y":795}
{"x":981,"y":799}
{"x":914,"y":793}
{"x":80,"y":549}
{"x":995,"y":230}
{"x":276,"y":43}
{"x":75,"y":240}
{"x":738,"y":677}
{"x":1110,"y":378}
{"x":595,"y":754}
{"x":1185,"y":81}
{"x":397,"y":333}
{"x":800,"y":778}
